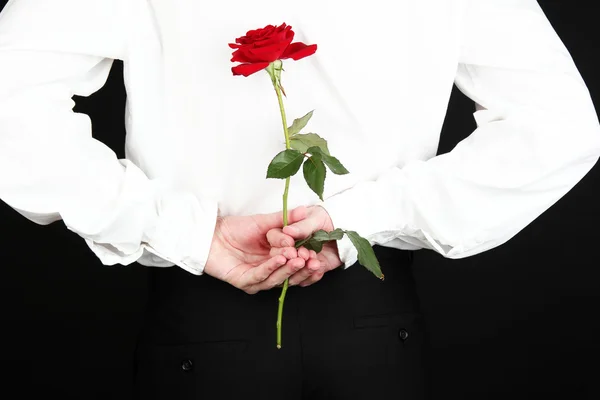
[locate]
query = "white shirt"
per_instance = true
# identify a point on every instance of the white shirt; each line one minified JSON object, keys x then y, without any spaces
{"x":199,"y":139}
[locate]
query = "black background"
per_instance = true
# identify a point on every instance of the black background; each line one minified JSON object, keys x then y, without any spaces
{"x":519,"y":321}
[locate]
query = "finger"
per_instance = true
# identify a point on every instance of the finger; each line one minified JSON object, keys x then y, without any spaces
{"x":287,"y":252}
{"x":255,"y":275}
{"x":303,"y":228}
{"x":300,"y":276}
{"x":310,"y":268}
{"x":280,"y":275}
{"x":314,"y":264}
{"x":275,"y":220}
{"x":297,"y":214}
{"x":313,"y":254}
{"x":311,"y":280}
{"x":277,"y":238}
{"x":304,"y":253}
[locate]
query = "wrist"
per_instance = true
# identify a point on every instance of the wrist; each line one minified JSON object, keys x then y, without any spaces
{"x":345,"y":251}
{"x":216,"y":247}
{"x":327,"y":222}
{"x":333,"y":260}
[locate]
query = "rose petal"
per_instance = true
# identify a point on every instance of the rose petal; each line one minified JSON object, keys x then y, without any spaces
{"x":255,"y":34}
{"x":299,"y":50}
{"x":266,"y":54}
{"x":241,"y":56}
{"x":248,"y":69}
{"x":289,"y":35}
{"x":259,"y":47}
{"x":282,"y":37}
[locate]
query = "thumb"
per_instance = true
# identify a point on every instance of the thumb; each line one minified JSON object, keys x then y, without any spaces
{"x":297,"y":214}
{"x":303,"y":228}
{"x":275,"y":220}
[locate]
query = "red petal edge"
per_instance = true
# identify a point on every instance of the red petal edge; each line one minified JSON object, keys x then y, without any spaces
{"x":248,"y":69}
{"x":299,"y":50}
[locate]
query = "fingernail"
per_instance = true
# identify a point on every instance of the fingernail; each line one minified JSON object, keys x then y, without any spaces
{"x":293,"y":229}
{"x":284,"y":243}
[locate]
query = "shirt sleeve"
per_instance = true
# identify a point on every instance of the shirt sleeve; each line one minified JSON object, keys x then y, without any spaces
{"x":51,"y":166}
{"x":537,"y":136}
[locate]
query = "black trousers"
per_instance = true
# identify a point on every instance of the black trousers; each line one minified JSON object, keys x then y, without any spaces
{"x":350,"y":336}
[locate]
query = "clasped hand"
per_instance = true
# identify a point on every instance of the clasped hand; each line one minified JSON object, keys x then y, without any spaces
{"x":255,"y":253}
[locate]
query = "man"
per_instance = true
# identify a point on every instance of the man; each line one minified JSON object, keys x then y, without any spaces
{"x":191,"y":194}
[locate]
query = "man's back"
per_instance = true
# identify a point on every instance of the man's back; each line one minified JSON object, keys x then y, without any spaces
{"x":199,"y":139}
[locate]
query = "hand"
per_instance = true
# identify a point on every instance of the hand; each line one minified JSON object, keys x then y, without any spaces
{"x":241,"y":255}
{"x":307,"y":220}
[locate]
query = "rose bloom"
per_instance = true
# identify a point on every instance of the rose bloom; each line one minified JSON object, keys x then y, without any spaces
{"x":260,"y":47}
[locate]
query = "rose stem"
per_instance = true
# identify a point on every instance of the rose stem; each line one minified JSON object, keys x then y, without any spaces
{"x":277,"y":86}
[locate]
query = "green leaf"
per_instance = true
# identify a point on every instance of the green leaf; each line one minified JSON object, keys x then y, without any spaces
{"x":311,"y":243}
{"x":285,"y":164}
{"x":336,"y":234}
{"x":299,"y":123}
{"x":366,"y":255}
{"x":319,"y":238}
{"x":333,"y":163}
{"x":314,"y":244}
{"x":314,"y":174}
{"x":303,"y":141}
{"x":302,"y":242}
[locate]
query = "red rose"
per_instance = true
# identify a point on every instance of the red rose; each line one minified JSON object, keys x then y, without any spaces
{"x":260,"y":47}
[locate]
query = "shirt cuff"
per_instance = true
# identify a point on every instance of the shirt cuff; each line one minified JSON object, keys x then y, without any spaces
{"x":184,"y":231}
{"x":341,"y":219}
{"x":181,"y":235}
